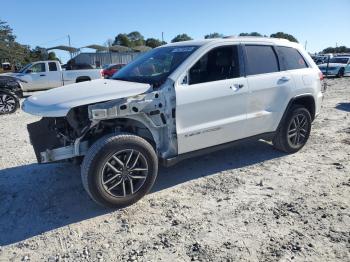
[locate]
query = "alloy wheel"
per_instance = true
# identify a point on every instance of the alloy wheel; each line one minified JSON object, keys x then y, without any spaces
{"x":124,"y":173}
{"x":7,"y":103}
{"x":298,"y":130}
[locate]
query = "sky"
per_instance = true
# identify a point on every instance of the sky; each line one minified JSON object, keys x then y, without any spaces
{"x":322,"y":23}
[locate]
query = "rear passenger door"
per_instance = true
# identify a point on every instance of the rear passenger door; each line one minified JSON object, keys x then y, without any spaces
{"x":269,"y":88}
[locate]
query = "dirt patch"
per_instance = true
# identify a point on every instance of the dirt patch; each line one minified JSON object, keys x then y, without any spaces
{"x":247,"y":203}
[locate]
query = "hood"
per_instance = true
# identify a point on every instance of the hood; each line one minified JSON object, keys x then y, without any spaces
{"x":331,"y":65}
{"x":58,"y":101}
{"x":12,"y":74}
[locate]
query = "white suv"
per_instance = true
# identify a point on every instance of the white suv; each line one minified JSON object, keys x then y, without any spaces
{"x":174,"y":102}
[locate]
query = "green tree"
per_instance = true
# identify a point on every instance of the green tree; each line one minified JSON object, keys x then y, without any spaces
{"x":52,"y":56}
{"x":136,"y":38}
{"x":38,"y":53}
{"x":285,"y":36}
{"x":180,"y":38}
{"x":10,"y":50}
{"x":250,"y":34}
{"x":122,"y":39}
{"x":153,"y":42}
{"x":338,"y":49}
{"x":213,"y":35}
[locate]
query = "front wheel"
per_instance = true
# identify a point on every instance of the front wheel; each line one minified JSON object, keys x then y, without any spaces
{"x":294,"y":131}
{"x":118,"y":170}
{"x":9,"y":103}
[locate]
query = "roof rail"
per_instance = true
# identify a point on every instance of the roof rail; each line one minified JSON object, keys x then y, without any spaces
{"x":251,"y":36}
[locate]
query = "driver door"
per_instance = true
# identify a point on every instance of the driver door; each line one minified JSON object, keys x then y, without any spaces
{"x":211,"y":103}
{"x":36,"y":77}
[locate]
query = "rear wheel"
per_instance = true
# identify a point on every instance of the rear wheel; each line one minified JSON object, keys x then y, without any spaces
{"x":9,"y":103}
{"x":118,"y":170}
{"x":294,"y":131}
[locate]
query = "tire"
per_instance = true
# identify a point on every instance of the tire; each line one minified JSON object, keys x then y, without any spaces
{"x":111,"y":184}
{"x":340,"y":73}
{"x":9,"y":102}
{"x":294,"y":131}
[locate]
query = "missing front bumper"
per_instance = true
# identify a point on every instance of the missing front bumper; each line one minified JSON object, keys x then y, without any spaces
{"x":62,"y":153}
{"x":47,"y":145}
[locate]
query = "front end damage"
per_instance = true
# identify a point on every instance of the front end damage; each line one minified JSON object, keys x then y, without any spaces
{"x":149,"y":115}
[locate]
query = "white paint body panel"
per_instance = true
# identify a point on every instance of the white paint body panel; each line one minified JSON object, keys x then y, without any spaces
{"x":57,"y":102}
{"x":210,"y":113}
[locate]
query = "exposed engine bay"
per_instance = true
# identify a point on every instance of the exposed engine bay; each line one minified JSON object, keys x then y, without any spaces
{"x":149,"y":115}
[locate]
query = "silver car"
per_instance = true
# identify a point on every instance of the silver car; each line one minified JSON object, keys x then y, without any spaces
{"x":338,"y":66}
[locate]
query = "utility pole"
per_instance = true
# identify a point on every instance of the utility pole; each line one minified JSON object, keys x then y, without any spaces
{"x":305,"y":45}
{"x":162,"y":36}
{"x":69,"y":46}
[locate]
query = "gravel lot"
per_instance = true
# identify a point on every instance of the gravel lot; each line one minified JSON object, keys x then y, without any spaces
{"x":247,"y":203}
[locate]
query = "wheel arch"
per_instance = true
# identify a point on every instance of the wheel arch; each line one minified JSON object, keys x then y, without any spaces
{"x":306,"y":100}
{"x":135,"y":126}
{"x":82,"y":79}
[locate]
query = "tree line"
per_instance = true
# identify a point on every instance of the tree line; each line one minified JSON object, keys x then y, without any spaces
{"x":16,"y":53}
{"x":135,"y":38}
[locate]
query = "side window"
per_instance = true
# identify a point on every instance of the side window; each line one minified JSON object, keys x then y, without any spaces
{"x":261,"y":59}
{"x":38,"y":68}
{"x":291,"y":58}
{"x":52,"y":66}
{"x":218,"y":64}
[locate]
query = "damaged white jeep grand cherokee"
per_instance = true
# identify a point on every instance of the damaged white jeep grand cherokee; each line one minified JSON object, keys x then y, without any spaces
{"x":176,"y":101}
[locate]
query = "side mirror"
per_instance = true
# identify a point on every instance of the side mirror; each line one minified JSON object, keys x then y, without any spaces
{"x":29,"y":71}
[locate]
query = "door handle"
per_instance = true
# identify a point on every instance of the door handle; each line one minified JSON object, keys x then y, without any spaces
{"x":236,"y":87}
{"x":42,"y":75}
{"x":284,"y":79}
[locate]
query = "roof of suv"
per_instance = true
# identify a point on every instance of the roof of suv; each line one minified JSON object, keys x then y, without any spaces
{"x":245,"y":39}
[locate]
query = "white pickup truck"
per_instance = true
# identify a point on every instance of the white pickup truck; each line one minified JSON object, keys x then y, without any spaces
{"x":44,"y":75}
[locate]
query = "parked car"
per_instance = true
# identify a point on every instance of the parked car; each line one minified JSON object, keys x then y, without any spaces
{"x":43,"y":75}
{"x":177,"y":101}
{"x":10,"y":93}
{"x":338,"y":66}
{"x":6,"y":66}
{"x":111,"y":69}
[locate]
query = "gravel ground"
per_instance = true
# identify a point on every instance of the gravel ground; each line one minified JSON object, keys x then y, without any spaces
{"x":247,"y":203}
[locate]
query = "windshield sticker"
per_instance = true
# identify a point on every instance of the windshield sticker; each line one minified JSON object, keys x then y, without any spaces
{"x":182,"y":49}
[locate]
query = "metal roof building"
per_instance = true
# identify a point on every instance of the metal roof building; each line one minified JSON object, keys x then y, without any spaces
{"x":103,"y":55}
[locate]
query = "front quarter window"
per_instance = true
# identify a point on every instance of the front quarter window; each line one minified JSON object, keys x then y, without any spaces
{"x":155,"y":66}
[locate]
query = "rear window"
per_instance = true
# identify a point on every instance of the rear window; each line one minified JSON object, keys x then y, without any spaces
{"x":52,"y":66}
{"x":291,"y":58}
{"x":261,"y":59}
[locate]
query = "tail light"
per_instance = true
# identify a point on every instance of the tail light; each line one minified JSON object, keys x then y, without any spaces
{"x":323,"y":83}
{"x":102,"y":73}
{"x":321,"y":76}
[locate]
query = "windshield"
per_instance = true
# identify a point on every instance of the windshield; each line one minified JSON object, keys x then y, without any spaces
{"x":25,"y":68}
{"x":340,"y":60}
{"x":155,"y":66}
